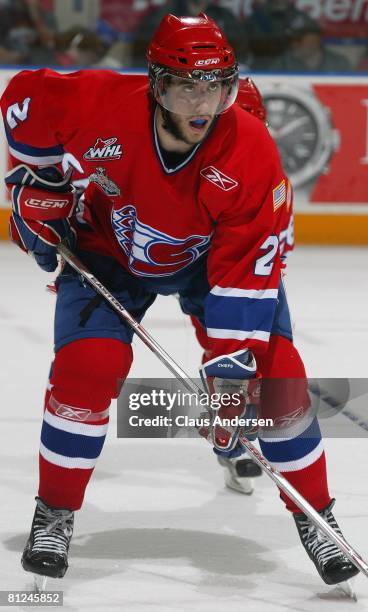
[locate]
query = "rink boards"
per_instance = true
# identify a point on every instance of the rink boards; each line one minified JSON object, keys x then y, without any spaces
{"x":320,"y":124}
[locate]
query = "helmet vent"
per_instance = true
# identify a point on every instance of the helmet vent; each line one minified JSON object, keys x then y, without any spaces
{"x":203,"y":47}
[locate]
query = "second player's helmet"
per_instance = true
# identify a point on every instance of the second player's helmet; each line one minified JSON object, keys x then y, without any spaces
{"x":250,"y":99}
{"x":189,"y":51}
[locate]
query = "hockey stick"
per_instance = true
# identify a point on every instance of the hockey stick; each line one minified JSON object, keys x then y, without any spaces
{"x":190,"y":385}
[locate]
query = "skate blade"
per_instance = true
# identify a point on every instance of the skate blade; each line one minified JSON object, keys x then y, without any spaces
{"x":39,"y":583}
{"x":348,"y":590}
{"x":240,"y":485}
{"x":343,"y":590}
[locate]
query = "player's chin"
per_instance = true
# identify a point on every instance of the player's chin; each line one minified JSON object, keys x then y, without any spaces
{"x":197,"y":127}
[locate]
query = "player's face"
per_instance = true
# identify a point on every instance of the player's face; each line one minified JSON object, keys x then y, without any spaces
{"x":191,"y":130}
{"x":193,"y":107}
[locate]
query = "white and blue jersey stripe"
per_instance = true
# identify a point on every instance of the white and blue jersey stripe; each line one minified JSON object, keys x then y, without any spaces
{"x":247,"y":314}
{"x":35,"y":156}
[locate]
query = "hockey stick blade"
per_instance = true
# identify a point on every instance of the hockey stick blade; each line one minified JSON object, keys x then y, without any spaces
{"x":190,"y":385}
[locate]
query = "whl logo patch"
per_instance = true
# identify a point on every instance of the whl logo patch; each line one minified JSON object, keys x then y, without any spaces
{"x":218,"y":178}
{"x":107,"y":149}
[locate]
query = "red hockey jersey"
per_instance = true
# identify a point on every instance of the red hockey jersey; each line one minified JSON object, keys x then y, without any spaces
{"x":230,"y":197}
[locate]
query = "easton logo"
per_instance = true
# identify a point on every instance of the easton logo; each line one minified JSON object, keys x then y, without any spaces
{"x":218,"y":178}
{"x":104,"y":149}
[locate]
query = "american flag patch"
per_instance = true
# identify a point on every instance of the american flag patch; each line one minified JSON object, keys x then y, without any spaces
{"x":279,"y":195}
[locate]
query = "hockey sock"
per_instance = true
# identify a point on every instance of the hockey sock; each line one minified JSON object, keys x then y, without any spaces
{"x":85,"y":376}
{"x":296,"y":450}
{"x":301,"y":459}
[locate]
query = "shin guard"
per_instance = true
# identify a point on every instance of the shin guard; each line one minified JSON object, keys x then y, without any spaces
{"x":86,"y":375}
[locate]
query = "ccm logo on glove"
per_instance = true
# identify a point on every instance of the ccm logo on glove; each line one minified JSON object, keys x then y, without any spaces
{"x":35,"y":203}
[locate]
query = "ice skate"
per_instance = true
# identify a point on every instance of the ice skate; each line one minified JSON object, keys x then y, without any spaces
{"x":332,"y":565}
{"x":239,"y":474}
{"x":46,"y":551}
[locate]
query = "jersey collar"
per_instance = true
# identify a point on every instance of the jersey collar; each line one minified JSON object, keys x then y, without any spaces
{"x":159,"y":154}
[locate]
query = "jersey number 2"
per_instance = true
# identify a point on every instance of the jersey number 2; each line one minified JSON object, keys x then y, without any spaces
{"x":264,"y":263}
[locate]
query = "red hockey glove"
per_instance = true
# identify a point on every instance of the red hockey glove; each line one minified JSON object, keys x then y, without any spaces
{"x":43,"y":200}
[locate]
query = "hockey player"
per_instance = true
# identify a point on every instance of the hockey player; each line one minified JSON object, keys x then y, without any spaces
{"x":186,"y":194}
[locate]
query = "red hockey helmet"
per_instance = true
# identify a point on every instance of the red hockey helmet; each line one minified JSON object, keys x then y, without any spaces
{"x":250,"y":99}
{"x":192,"y":50}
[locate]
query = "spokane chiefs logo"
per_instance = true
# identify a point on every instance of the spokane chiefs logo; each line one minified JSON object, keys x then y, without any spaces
{"x":153,"y":253}
{"x":104,"y":149}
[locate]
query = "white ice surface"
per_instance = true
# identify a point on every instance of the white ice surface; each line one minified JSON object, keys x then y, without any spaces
{"x":158,"y":531}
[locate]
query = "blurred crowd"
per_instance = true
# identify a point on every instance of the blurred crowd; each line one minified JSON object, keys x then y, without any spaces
{"x":275,"y":36}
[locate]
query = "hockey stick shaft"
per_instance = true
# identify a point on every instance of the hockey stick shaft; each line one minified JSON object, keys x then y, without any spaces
{"x":148,"y":340}
{"x":191,"y":386}
{"x":305,"y":507}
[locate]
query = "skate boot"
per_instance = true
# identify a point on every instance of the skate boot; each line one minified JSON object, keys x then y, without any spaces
{"x":332,"y":565}
{"x":239,"y":474}
{"x":46,"y":551}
